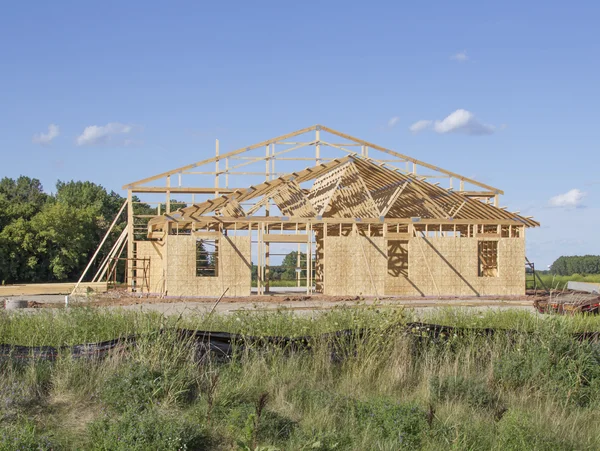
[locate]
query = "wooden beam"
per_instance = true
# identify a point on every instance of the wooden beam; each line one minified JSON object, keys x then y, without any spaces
{"x":175,"y":190}
{"x":213,"y":159}
{"x":286,"y":220}
{"x":478,"y":193}
{"x":275,"y":238}
{"x":413,"y":160}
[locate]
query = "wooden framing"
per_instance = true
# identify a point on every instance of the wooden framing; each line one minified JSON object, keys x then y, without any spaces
{"x":357,"y":187}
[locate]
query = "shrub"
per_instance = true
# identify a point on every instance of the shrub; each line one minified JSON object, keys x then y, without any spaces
{"x":23,"y":436}
{"x":555,"y":363}
{"x":137,"y":386}
{"x":518,"y":431}
{"x":145,"y":430}
{"x":406,"y":424}
{"x":240,"y":417}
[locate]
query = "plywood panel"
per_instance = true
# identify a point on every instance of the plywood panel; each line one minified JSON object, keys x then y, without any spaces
{"x":354,"y":265}
{"x":397,"y":279}
{"x":233,"y":267}
{"x":449,"y":266}
{"x":154,"y":251}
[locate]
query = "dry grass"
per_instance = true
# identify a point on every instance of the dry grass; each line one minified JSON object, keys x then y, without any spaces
{"x":387,"y":390}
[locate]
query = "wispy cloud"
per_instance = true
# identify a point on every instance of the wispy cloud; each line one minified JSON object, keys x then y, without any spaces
{"x":419,"y":126}
{"x":393,"y":121}
{"x":572,"y":198}
{"x":459,"y":121}
{"x":460,"y":56}
{"x":46,"y":138}
{"x":103,"y":134}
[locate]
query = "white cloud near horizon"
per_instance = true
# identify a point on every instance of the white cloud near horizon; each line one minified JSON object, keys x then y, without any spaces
{"x":393,"y":121}
{"x":459,"y":121}
{"x":460,"y":56}
{"x":102,"y":134}
{"x":46,"y":138}
{"x":572,"y":198}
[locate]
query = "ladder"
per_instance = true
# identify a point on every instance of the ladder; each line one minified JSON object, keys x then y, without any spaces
{"x":532,"y":278}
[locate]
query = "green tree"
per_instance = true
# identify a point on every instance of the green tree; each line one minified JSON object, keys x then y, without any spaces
{"x":567,"y":266}
{"x":289,"y":264}
{"x":64,"y":238}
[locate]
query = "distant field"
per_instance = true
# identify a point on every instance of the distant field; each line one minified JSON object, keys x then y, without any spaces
{"x":283,"y":283}
{"x":560,"y":282}
{"x":536,"y":388}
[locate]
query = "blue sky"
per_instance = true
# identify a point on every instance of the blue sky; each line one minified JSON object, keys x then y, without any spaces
{"x":171,"y":78}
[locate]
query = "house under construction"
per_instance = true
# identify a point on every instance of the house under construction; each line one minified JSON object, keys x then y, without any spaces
{"x":369,"y":220}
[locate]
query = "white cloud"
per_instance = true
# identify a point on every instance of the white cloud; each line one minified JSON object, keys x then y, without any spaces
{"x":419,"y":126}
{"x":393,"y":121}
{"x":572,"y":198}
{"x":102,"y":134}
{"x":460,"y":121}
{"x":460,"y":56}
{"x":46,"y":138}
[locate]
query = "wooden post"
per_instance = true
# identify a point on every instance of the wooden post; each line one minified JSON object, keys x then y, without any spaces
{"x":130,"y":241}
{"x":273,"y":161}
{"x":217,"y":168}
{"x":168,"y":195}
{"x":318,"y":147}
{"x":322,"y":263}
{"x":308,"y":275}
{"x":267,"y":260}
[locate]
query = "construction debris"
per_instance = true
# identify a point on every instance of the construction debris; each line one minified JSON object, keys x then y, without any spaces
{"x":569,"y":303}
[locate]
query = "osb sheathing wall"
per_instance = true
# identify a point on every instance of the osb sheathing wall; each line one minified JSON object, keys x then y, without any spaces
{"x":354,"y":265}
{"x":152,"y":250}
{"x":449,"y":266}
{"x":233,"y":271}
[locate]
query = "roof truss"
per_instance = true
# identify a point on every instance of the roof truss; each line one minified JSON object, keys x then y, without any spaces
{"x":261,"y":158}
{"x":352,"y":187}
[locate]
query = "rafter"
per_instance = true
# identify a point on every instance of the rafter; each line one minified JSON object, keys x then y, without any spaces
{"x":137,"y":186}
{"x":292,"y":201}
{"x":350,"y":187}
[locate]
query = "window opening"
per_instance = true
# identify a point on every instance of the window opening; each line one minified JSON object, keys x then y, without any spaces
{"x":488,"y":259}
{"x":207,"y":258}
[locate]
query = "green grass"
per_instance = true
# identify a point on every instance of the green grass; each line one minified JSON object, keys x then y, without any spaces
{"x":282,"y":283}
{"x":535,"y":390}
{"x":560,"y":282}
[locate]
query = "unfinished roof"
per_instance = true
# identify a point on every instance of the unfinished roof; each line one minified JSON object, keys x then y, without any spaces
{"x":350,"y":187}
{"x":356,"y":180}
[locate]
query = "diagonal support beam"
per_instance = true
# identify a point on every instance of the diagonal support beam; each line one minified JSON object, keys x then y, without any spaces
{"x":393,"y":198}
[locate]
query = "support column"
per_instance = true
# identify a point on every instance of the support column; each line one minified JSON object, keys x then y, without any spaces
{"x":318,"y":147}
{"x":268,"y":176}
{"x":267,"y":267}
{"x":168,"y":196}
{"x":217,"y":168}
{"x":130,"y":242}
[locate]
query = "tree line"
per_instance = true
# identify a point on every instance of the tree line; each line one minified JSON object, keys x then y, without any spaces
{"x":569,"y":265}
{"x":51,"y":237}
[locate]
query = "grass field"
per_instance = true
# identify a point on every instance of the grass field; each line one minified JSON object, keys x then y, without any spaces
{"x":281,"y":283}
{"x":560,"y":282}
{"x":535,"y":389}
